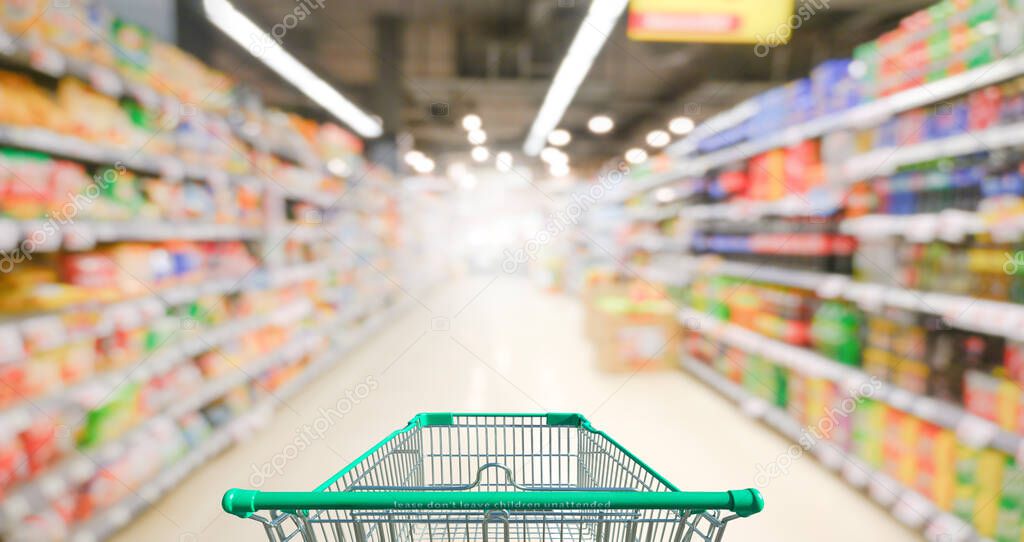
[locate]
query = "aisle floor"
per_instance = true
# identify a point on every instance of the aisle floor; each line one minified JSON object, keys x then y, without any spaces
{"x":501,"y":344}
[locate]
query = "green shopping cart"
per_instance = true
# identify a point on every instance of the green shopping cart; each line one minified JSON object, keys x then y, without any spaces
{"x":479,"y":477}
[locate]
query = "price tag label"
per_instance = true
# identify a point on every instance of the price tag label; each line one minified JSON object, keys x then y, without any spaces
{"x":7,"y":44}
{"x":10,"y":235}
{"x":146,"y":96}
{"x":11,"y":347}
{"x":79,"y":237}
{"x":217,"y":177}
{"x":855,"y":474}
{"x":921,"y":228}
{"x":832,"y":287}
{"x":975,"y":431}
{"x":47,"y":60}
{"x":43,"y":333}
{"x":127,"y":316}
{"x":106,"y":81}
{"x":869,"y":296}
{"x":42,"y":237}
{"x":171,"y":169}
{"x":52,"y":486}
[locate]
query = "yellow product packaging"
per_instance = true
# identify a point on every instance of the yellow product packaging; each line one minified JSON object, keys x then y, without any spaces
{"x":877,"y":362}
{"x":945,"y":456}
{"x":1008,"y":396}
{"x":965,"y":486}
{"x":910,"y":431}
{"x":989,"y":488}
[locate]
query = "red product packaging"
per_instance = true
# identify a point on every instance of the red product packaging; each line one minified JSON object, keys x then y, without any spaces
{"x":89,"y":270}
{"x":981,"y":394}
{"x":983,"y":107}
{"x":42,"y":443}
{"x":13,"y":462}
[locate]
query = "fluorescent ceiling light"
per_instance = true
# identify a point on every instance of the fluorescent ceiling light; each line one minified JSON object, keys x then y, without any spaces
{"x":600,"y":124}
{"x":593,"y":32}
{"x":559,"y":137}
{"x":239,"y":28}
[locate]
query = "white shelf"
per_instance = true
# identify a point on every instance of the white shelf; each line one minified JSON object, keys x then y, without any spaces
{"x":884,"y":161}
{"x":969,"y":428}
{"x":862,"y":116}
{"x":950,"y":225}
{"x":169,"y":167}
{"x":908,"y":506}
{"x":752,"y":210}
{"x":997,"y":318}
{"x":84,"y":235}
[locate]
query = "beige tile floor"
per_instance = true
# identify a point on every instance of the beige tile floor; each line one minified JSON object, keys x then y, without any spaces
{"x":512,"y":347}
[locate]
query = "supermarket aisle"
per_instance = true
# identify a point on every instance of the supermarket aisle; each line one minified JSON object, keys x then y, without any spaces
{"x":500,"y":344}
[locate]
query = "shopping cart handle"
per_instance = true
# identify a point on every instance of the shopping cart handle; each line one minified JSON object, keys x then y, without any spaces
{"x":245,"y":502}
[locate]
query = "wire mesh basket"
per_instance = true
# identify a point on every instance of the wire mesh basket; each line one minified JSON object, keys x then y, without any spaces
{"x":479,"y":477}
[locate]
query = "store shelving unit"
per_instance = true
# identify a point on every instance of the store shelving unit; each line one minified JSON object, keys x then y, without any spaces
{"x":349,"y":284}
{"x":668,"y":261}
{"x":971,"y":429}
{"x":692,"y":165}
{"x":908,"y":506}
{"x":117,"y":516}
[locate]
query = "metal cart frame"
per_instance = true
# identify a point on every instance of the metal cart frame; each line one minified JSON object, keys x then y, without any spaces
{"x":476,"y":477}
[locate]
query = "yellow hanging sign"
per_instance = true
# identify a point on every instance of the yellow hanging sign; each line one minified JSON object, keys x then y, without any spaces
{"x":769,"y":22}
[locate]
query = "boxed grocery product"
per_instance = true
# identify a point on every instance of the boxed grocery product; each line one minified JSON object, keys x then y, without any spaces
{"x":869,"y":430}
{"x":631,"y":334}
{"x":1010,"y":516}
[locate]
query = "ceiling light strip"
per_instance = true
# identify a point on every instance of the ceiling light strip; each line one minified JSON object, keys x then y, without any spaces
{"x":593,"y":32}
{"x":244,"y":32}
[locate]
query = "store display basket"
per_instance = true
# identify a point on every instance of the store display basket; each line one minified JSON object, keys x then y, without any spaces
{"x":502,"y":477}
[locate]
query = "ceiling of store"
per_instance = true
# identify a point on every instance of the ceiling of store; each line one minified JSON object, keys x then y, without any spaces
{"x":496,"y":58}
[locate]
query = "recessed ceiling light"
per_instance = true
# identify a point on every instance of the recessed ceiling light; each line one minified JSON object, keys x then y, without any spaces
{"x":472,"y":122}
{"x":457,"y":170}
{"x":680,"y":125}
{"x":559,"y":137}
{"x":600,"y":124}
{"x":503,"y":161}
{"x":658,"y":138}
{"x":552,"y":155}
{"x":424,"y":166}
{"x":480,"y":154}
{"x":636,"y":155}
{"x":413,"y":157}
{"x":477,"y":137}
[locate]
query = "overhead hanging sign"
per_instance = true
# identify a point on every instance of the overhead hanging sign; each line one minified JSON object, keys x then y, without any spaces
{"x":718,"y":21}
